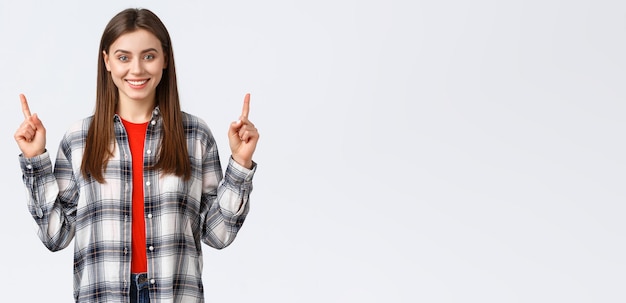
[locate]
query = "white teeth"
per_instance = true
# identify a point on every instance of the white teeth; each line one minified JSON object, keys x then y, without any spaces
{"x":137,"y":83}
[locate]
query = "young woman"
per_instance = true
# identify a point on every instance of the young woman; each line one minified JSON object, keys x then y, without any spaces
{"x":138,"y":185}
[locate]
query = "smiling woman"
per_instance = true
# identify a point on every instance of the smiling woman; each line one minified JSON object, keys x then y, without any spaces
{"x":136,"y":65}
{"x":139,"y":184}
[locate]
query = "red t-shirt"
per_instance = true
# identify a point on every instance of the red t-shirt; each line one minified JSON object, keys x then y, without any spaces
{"x":136,"y":138}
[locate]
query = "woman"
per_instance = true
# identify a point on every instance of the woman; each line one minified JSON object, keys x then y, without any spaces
{"x":138,"y":185}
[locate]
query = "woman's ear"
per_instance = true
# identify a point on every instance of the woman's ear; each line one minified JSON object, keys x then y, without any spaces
{"x":105,"y":57}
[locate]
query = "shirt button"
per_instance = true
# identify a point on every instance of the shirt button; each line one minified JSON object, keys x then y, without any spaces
{"x":125,"y":157}
{"x":149,"y":216}
{"x":153,"y":122}
{"x":148,"y":152}
{"x":152,"y":281}
{"x":151,"y":248}
{"x":29,"y":166}
{"x":148,"y":183}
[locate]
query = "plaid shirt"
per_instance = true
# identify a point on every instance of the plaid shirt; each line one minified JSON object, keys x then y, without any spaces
{"x":180,"y":215}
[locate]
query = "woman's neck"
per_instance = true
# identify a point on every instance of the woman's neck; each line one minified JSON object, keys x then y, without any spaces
{"x":134,"y":111}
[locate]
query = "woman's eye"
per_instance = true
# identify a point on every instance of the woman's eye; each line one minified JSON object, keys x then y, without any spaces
{"x":148,"y":57}
{"x":122,"y":58}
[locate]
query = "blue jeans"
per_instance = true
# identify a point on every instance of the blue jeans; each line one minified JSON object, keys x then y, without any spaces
{"x":139,"y":291}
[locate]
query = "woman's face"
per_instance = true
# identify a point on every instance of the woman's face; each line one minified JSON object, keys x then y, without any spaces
{"x":136,"y":62}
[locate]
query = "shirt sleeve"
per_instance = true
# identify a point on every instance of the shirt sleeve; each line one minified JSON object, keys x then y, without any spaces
{"x":226,"y":201}
{"x":51,"y":197}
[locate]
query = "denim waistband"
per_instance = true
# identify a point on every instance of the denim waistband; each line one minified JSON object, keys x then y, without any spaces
{"x":140,"y":280}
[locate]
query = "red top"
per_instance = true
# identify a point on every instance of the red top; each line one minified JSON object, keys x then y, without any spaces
{"x":136,"y":138}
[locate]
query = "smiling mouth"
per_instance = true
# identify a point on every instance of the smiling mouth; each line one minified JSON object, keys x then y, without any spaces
{"x":137,"y":83}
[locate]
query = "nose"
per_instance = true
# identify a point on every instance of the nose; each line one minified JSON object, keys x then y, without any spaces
{"x":136,"y":67}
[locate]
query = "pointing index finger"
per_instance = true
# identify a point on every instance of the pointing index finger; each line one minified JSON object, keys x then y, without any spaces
{"x":25,"y":108}
{"x":246,"y":106}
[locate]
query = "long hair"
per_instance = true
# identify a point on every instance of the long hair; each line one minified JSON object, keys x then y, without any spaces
{"x":172,"y":157}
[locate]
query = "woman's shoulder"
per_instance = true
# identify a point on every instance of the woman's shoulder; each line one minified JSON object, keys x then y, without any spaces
{"x":194,"y":121}
{"x":76,"y":133}
{"x":196,"y":125}
{"x":79,"y":126}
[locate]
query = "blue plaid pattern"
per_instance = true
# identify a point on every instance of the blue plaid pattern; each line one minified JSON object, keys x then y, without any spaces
{"x":180,"y":215}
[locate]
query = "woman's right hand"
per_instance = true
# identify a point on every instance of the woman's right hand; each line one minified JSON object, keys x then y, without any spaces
{"x":31,"y":135}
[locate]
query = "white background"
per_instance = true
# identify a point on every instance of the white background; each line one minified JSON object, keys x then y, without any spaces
{"x":411,"y":151}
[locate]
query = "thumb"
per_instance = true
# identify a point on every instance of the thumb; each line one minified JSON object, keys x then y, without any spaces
{"x":234,"y":128}
{"x":37,"y":122}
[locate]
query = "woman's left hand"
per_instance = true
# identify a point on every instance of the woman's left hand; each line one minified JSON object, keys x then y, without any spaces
{"x":243,"y":136}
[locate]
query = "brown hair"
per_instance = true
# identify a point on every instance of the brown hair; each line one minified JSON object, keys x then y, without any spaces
{"x":172,"y":156}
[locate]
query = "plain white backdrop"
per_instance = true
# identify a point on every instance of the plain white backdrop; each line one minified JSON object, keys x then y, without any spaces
{"x":410,"y":151}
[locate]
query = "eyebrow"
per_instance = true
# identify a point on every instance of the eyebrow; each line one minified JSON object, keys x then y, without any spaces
{"x":143,"y":51}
